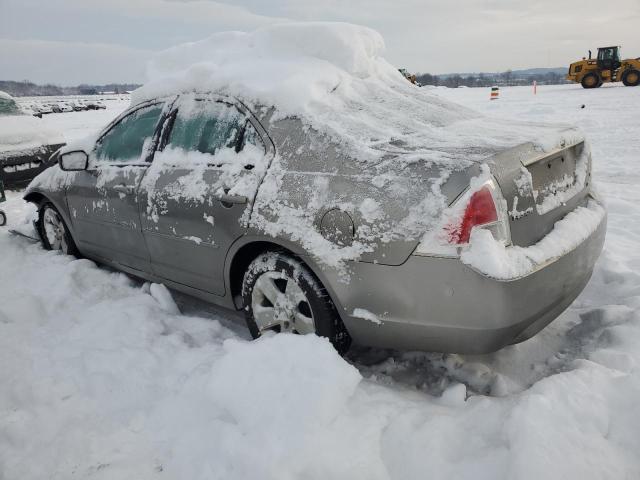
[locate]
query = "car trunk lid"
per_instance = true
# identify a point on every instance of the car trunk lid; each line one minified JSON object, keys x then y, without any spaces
{"x":541,"y":187}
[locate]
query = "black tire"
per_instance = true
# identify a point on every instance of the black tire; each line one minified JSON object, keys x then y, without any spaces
{"x":631,"y":78}
{"x":48,"y":231}
{"x":591,"y":80}
{"x":3,"y":219}
{"x":317,"y":304}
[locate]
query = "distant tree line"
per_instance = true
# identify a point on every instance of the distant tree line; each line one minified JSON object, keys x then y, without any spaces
{"x":508,"y":78}
{"x":29,"y":89}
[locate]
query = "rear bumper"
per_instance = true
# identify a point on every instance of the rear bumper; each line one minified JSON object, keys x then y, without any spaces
{"x":439,"y":304}
{"x":18,"y":168}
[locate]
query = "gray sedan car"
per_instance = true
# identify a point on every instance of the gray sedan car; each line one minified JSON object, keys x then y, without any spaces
{"x":231,"y":203}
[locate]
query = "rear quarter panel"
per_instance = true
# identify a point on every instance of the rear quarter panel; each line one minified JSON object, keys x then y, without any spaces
{"x":387,"y":205}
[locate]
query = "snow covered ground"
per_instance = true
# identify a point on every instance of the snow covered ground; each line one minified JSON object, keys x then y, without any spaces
{"x":103,"y":376}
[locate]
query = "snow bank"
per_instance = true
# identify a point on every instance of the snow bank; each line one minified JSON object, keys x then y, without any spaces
{"x":104,"y":378}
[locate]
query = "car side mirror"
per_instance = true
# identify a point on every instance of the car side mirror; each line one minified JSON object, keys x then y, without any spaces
{"x":73,"y":161}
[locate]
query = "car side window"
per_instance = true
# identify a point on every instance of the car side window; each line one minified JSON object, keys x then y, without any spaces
{"x":207,"y":126}
{"x":125,"y":141}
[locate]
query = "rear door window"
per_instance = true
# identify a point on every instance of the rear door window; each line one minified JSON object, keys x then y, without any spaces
{"x":208,"y":127}
{"x":125,"y":141}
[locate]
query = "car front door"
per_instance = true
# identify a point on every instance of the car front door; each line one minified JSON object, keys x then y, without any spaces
{"x":103,"y":200}
{"x":197,"y":196}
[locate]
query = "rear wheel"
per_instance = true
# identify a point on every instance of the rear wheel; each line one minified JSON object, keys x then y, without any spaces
{"x":591,"y":80}
{"x":631,"y":78}
{"x":281,"y":294}
{"x":3,"y":219}
{"x":53,"y":231}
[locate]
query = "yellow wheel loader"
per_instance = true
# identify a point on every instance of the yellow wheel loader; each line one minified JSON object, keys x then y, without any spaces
{"x":608,"y":67}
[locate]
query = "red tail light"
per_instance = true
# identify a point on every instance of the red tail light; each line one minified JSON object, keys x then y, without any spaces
{"x":480,"y":210}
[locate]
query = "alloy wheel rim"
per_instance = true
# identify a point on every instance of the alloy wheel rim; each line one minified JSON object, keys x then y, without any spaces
{"x":54,"y":230}
{"x":278,"y":302}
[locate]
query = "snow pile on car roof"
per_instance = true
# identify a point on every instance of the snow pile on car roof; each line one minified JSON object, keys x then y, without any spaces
{"x":294,"y":66}
{"x":333,"y":76}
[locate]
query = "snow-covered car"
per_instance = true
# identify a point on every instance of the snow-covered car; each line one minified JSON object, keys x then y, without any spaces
{"x":36,"y":109}
{"x":25,"y":144}
{"x":65,"y":107}
{"x":29,"y":109}
{"x":95,"y":105}
{"x":78,"y":106}
{"x":331,"y":196}
{"x":45,"y":108}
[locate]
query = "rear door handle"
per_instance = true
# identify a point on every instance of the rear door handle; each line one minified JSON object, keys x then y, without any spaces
{"x":236,"y":199}
{"x":124,"y":189}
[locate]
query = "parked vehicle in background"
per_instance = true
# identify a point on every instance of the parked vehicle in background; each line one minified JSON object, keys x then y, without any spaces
{"x":45,"y":108}
{"x":78,"y":106}
{"x":409,"y":76}
{"x":65,"y":107}
{"x":55,"y":108}
{"x":95,"y":105}
{"x":29,"y":109}
{"x":25,"y":144}
{"x":607,"y":67}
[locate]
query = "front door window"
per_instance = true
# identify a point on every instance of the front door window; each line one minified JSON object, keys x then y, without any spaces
{"x":126,"y":141}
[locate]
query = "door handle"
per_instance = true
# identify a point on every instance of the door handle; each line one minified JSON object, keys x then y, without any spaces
{"x":124,"y":189}
{"x":233,"y":199}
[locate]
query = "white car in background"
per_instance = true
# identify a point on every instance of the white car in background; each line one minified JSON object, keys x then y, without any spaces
{"x":65,"y":107}
{"x":30,"y":109}
{"x":25,"y":143}
{"x":45,"y":108}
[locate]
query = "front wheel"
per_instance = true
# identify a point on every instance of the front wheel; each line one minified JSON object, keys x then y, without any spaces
{"x":3,"y":219}
{"x":281,"y":294}
{"x":53,"y":231}
{"x":591,"y":80}
{"x":631,"y":78}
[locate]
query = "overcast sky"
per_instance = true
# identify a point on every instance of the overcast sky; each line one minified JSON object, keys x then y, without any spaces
{"x":98,"y":41}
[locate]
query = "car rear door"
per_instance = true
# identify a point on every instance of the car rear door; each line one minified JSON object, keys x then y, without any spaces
{"x":198,"y":194}
{"x":103,"y":200}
